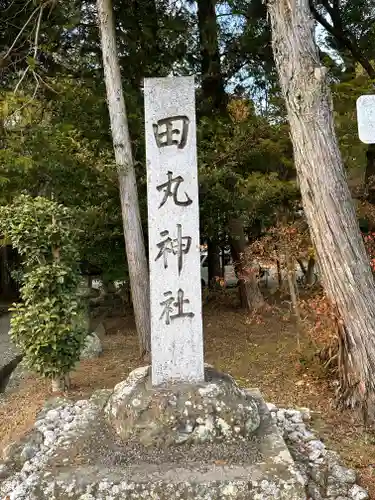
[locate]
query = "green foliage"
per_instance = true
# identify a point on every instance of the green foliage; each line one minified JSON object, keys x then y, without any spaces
{"x":353,"y":150}
{"x":47,"y":324}
{"x":62,"y":147}
{"x":353,"y":21}
{"x":245,"y":168}
{"x":57,"y":141}
{"x":265,"y":194}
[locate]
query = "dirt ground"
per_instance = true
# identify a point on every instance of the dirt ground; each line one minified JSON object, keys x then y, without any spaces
{"x":262,"y":355}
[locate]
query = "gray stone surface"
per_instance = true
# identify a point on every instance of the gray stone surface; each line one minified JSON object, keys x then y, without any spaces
{"x":358,"y":493}
{"x":325,"y":475}
{"x":366,"y":118}
{"x":8,"y":351}
{"x":100,"y":330}
{"x":211,"y":411}
{"x":173,"y":221}
{"x":92,"y":347}
{"x":19,"y":373}
{"x":73,"y":452}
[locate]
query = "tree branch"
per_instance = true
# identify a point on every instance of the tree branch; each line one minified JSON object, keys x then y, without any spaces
{"x":35,"y":53}
{"x":329,"y":9}
{"x":20,"y":32}
{"x":21,"y":79}
{"x":342,"y":38}
{"x":36,"y":39}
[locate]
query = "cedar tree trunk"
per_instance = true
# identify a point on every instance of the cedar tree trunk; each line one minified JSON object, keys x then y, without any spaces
{"x":215,"y":269}
{"x":214,"y":96}
{"x":134,"y":241}
{"x":250,"y":295}
{"x":327,"y":202}
{"x":370,"y":174}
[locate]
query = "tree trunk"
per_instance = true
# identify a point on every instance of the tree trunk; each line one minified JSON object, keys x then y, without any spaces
{"x":254,"y":231}
{"x":146,"y":34}
{"x":61,"y":384}
{"x":279,"y":274}
{"x":214,"y":265}
{"x":250,"y":295}
{"x":327,"y":202}
{"x":134,"y":242}
{"x":291,"y":277}
{"x":351,"y":53}
{"x":302,"y":266}
{"x":108,"y":287}
{"x":215,"y":98}
{"x":370,"y":174}
{"x":222,"y":251}
{"x":310,"y":272}
{"x":4,"y":285}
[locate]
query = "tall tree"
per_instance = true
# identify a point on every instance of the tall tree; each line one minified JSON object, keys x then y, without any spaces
{"x":250,"y":294}
{"x":350,"y":26}
{"x":326,"y":198}
{"x":214,"y":101}
{"x":214,"y":96}
{"x":351,"y":31}
{"x":134,"y":242}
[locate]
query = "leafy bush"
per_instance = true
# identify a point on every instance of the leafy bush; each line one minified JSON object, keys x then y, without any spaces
{"x":47,"y":325}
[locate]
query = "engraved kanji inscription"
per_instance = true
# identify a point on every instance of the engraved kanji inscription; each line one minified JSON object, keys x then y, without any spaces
{"x":175,"y":133}
{"x":179,"y":246}
{"x":170,"y":304}
{"x":170,"y":188}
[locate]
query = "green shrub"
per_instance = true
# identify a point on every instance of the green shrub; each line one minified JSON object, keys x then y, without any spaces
{"x":47,"y":323}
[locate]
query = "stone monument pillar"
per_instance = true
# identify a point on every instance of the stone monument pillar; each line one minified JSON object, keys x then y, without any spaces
{"x":173,"y":228}
{"x":178,"y":429}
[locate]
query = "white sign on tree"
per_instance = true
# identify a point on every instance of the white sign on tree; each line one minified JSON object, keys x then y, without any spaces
{"x":366,"y":118}
{"x":173,"y":226}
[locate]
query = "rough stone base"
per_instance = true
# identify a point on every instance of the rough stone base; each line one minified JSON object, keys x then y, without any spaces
{"x":85,"y":458}
{"x":210,"y":411}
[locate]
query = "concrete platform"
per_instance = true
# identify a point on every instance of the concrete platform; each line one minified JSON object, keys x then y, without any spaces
{"x":97,"y":465}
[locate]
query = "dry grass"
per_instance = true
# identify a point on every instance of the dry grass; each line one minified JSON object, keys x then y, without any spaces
{"x":258,"y":355}
{"x":120,"y":356}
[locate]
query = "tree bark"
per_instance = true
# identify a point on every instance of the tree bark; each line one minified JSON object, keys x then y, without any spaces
{"x":134,"y":241}
{"x":215,"y":98}
{"x":251,"y":297}
{"x":4,"y":280}
{"x":310,"y":279}
{"x":302,"y":266}
{"x":145,"y":34}
{"x":61,"y":384}
{"x":308,"y":272}
{"x":291,"y":277}
{"x":347,"y":42}
{"x":279,"y":274}
{"x":327,"y":202}
{"x":214,"y":267}
{"x":370,"y":174}
{"x":108,"y":286}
